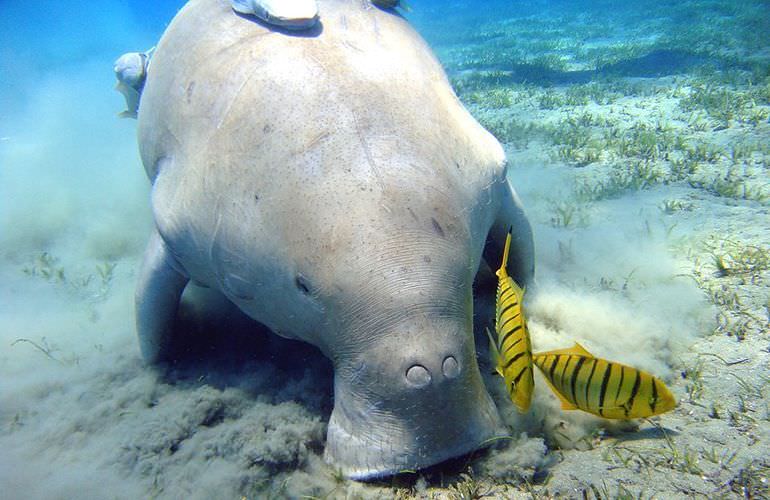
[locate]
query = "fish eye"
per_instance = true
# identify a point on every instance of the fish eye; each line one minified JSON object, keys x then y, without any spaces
{"x":302,"y":283}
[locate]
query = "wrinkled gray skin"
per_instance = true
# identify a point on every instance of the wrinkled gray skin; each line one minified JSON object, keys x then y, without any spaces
{"x":334,"y":188}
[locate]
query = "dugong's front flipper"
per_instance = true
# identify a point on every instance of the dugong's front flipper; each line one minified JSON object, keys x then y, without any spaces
{"x":521,"y":265}
{"x":158,"y":292}
{"x":289,"y":14}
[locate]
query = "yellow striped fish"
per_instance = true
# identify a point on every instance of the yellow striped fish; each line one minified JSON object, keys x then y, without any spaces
{"x":512,"y":350}
{"x":603,"y":388}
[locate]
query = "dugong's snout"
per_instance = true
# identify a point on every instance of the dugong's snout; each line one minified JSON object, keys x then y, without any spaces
{"x":411,"y":401}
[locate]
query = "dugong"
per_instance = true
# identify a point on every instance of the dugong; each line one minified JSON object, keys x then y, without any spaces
{"x":332,"y":187}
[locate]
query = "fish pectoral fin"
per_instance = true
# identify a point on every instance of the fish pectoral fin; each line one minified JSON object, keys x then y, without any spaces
{"x":494,"y":352}
{"x":565,"y":404}
{"x":575,"y":350}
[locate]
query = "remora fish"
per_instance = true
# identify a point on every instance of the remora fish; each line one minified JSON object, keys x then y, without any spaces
{"x":131,"y":73}
{"x":512,"y":351}
{"x":603,"y":388}
{"x":289,"y":14}
{"x":391,"y":4}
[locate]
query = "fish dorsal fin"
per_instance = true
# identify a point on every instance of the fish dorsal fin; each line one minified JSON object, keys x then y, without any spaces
{"x":494,"y":351}
{"x":502,"y":272}
{"x":575,"y":350}
{"x":579,"y":349}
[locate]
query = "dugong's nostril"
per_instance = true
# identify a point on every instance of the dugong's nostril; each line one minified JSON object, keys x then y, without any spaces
{"x":450,"y":367}
{"x":418,"y":376}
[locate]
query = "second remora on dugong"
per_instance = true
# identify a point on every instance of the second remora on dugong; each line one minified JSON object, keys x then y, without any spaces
{"x":335,"y":189}
{"x":289,"y":14}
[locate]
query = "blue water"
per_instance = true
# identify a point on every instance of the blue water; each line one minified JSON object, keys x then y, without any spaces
{"x":81,"y":417}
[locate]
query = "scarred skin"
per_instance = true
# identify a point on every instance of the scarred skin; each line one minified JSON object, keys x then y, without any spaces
{"x":332,"y":187}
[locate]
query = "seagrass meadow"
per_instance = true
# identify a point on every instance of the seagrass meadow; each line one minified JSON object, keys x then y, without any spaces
{"x":638,"y":138}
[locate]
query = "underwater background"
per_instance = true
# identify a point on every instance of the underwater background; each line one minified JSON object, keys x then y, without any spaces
{"x":638,"y":139}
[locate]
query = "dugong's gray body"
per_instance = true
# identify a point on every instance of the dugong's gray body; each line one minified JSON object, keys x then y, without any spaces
{"x":333,"y":187}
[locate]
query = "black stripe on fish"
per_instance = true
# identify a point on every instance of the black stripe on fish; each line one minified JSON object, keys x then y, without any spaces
{"x":509,"y":333}
{"x":654,"y":399}
{"x":513,"y":359}
{"x":519,"y":375}
{"x":590,"y":376}
{"x":509,"y":289}
{"x":575,"y":374}
{"x":507,"y":285}
{"x":634,"y":390}
{"x":552,"y":368}
{"x":564,"y":370}
{"x":512,"y":346}
{"x":502,"y":327}
{"x":506,"y":307}
{"x":603,"y":390}
{"x":620,"y":385}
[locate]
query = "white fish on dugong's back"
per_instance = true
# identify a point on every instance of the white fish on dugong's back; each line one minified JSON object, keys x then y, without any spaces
{"x":289,"y":14}
{"x":131,"y":72}
{"x":332,"y":186}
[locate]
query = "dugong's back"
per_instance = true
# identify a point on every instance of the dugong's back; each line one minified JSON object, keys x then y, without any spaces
{"x":219,"y":78}
{"x":306,"y":138}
